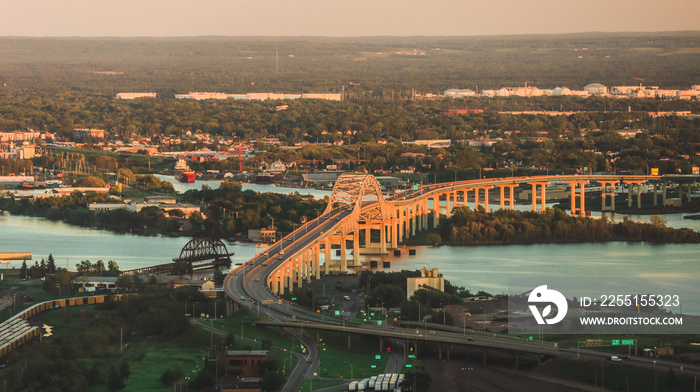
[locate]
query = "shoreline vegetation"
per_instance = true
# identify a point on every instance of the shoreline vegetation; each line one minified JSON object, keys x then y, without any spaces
{"x":229,"y":212}
{"x":509,"y":227}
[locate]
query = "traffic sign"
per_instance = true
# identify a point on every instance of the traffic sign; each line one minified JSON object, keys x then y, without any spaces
{"x":627,"y":342}
{"x":616,"y":342}
{"x":378,"y":356}
{"x":337,"y":312}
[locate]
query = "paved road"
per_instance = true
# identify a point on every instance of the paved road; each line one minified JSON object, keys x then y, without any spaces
{"x":248,"y":283}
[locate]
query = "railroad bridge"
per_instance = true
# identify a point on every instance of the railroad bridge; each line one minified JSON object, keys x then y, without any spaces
{"x":196,"y":254}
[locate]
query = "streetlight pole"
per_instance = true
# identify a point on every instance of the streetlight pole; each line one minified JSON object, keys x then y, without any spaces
{"x":352,"y":372}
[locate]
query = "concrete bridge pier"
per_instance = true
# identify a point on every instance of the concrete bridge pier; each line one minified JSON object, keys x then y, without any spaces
{"x":231,"y":306}
{"x":634,"y":184}
{"x":655,"y":194}
{"x":542,"y":197}
{"x":356,"y":248}
{"x":608,"y":190}
{"x":664,"y":195}
{"x":414,"y":221}
{"x":299,"y":268}
{"x":327,"y":256}
{"x":578,"y":199}
{"x":485,"y":353}
{"x":689,"y":192}
{"x":511,"y":195}
{"x":478,"y":201}
{"x":394,"y":234}
{"x":436,"y":211}
{"x":448,"y":209}
{"x":317,"y":261}
{"x":343,"y":256}
{"x":425,"y":214}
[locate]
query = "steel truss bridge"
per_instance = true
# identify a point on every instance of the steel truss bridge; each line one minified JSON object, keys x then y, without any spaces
{"x":360,"y":215}
{"x":197,"y":253}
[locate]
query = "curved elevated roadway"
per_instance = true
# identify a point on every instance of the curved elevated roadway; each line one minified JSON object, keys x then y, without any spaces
{"x":248,"y":285}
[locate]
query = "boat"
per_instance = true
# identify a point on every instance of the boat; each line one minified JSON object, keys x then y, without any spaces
{"x":184,"y":176}
{"x":25,"y":185}
{"x":271,"y":173}
{"x":182,"y":172}
{"x":268,"y":177}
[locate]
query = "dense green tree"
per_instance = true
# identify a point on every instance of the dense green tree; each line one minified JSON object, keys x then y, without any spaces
{"x":91,"y":181}
{"x":415,"y":381}
{"x":114,"y":381}
{"x":51,"y":264}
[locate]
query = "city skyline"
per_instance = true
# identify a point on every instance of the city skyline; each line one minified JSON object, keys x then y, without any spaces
{"x":161,"y":18}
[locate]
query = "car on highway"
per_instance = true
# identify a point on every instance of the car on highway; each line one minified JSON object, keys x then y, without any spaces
{"x":470,"y":339}
{"x":615,"y":358}
{"x":281,"y":252}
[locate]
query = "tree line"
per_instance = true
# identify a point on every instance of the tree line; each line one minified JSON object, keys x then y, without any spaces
{"x":228,"y":212}
{"x":478,"y":227}
{"x":377,"y":66}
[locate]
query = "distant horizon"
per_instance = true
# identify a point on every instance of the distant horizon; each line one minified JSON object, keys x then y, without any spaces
{"x":341,"y":18}
{"x":582,"y":33}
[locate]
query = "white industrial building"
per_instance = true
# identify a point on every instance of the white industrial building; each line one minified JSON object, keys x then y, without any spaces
{"x":135,"y":95}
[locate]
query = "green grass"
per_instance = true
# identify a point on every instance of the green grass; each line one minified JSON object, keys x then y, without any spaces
{"x":618,"y":376}
{"x":150,"y":357}
{"x":334,"y":353}
{"x":313,"y":385}
{"x":245,"y":319}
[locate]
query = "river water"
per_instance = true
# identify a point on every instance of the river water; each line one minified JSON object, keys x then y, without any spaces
{"x":477,"y":268}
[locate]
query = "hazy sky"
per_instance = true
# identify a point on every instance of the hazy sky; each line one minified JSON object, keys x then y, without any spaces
{"x":130,"y":18}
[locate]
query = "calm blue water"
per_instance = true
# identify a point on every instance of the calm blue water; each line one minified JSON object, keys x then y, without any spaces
{"x":184,"y":187}
{"x":477,"y":268}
